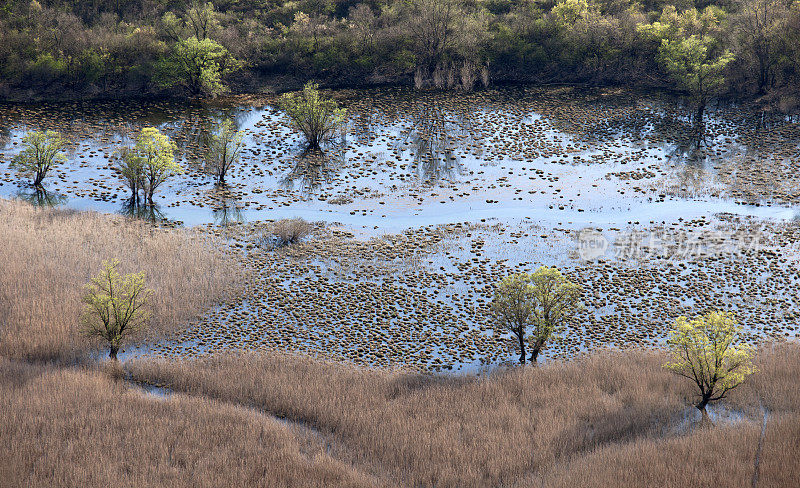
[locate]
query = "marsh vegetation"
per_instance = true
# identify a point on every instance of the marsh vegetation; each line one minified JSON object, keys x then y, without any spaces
{"x":191,"y":48}
{"x":448,"y":283}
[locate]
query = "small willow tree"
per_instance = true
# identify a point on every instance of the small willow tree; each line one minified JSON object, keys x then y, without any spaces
{"x":535,"y":307}
{"x":42,"y":150}
{"x":131,"y":170}
{"x":512,"y":307}
{"x":690,"y":50}
{"x":198,"y":65}
{"x":156,"y":154}
{"x":707,"y":351}
{"x":224,"y":149}
{"x":316,"y":117}
{"x":115,"y":306}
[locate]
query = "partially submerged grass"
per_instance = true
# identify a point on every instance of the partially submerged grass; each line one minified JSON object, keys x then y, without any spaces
{"x":49,"y":255}
{"x":65,"y":427}
{"x":603,"y":420}
{"x":515,"y":426}
{"x":285,"y":232}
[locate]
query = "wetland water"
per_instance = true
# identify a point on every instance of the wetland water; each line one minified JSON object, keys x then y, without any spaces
{"x":425,"y":200}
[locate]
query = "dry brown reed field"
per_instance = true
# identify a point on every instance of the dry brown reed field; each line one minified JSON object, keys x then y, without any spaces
{"x":608,"y":419}
{"x":579,"y":423}
{"x":69,"y":427}
{"x":48,"y":255}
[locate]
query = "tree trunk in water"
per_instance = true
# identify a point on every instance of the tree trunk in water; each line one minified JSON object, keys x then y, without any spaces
{"x":535,"y":354}
{"x":521,"y":349}
{"x":113,"y":353}
{"x":701,"y":109}
{"x":705,"y":420}
{"x":699,"y":128}
{"x":762,"y":76}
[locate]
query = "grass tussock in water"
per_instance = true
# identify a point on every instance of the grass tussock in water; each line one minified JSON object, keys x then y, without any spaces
{"x":48,"y":255}
{"x":288,"y":231}
{"x":80,"y":428}
{"x":519,"y":426}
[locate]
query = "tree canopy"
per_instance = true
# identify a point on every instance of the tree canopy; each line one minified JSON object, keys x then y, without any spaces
{"x":41,"y":151}
{"x":535,"y":307}
{"x":149,"y":163}
{"x":315,"y":116}
{"x":690,"y":52}
{"x":115,"y":306}
{"x":708,"y":350}
{"x":199,"y":66}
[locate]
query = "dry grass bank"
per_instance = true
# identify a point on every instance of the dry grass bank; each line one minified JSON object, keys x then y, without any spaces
{"x":64,"y":427}
{"x":48,"y":255}
{"x":517,"y":426}
{"x":721,"y":457}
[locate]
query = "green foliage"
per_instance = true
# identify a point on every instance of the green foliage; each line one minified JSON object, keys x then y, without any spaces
{"x":198,"y":66}
{"x":311,"y":114}
{"x":690,"y":65}
{"x":707,"y":351}
{"x":535,"y":307}
{"x":46,"y":68}
{"x":570,"y":12}
{"x":689,"y":52}
{"x":149,"y":163}
{"x":42,"y":150}
{"x":115,"y":306}
{"x":224,"y":149}
{"x":63,"y":49}
{"x":199,"y":20}
{"x":130,"y":167}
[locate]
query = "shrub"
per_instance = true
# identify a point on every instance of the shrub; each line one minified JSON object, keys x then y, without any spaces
{"x":316,"y":117}
{"x":289,"y":231}
{"x":224,"y":149}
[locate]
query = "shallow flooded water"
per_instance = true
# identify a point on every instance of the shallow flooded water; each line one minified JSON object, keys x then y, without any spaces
{"x":425,"y":200}
{"x":408,"y":160}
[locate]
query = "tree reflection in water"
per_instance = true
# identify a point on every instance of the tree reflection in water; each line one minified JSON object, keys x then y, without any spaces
{"x":40,"y":197}
{"x":433,"y":139}
{"x":151,"y":213}
{"x":313,"y":167}
{"x":226,"y":206}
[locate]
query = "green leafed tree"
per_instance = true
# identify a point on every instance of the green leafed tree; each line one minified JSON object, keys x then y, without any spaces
{"x":689,"y":51}
{"x":312,"y":114}
{"x":41,"y":151}
{"x":149,"y":163}
{"x":688,"y":61}
{"x":130,"y":167}
{"x":200,"y":20}
{"x":115,"y":306}
{"x":708,"y":351}
{"x":535,"y":308}
{"x":224,"y":149}
{"x":198,"y":65}
{"x":760,"y":31}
